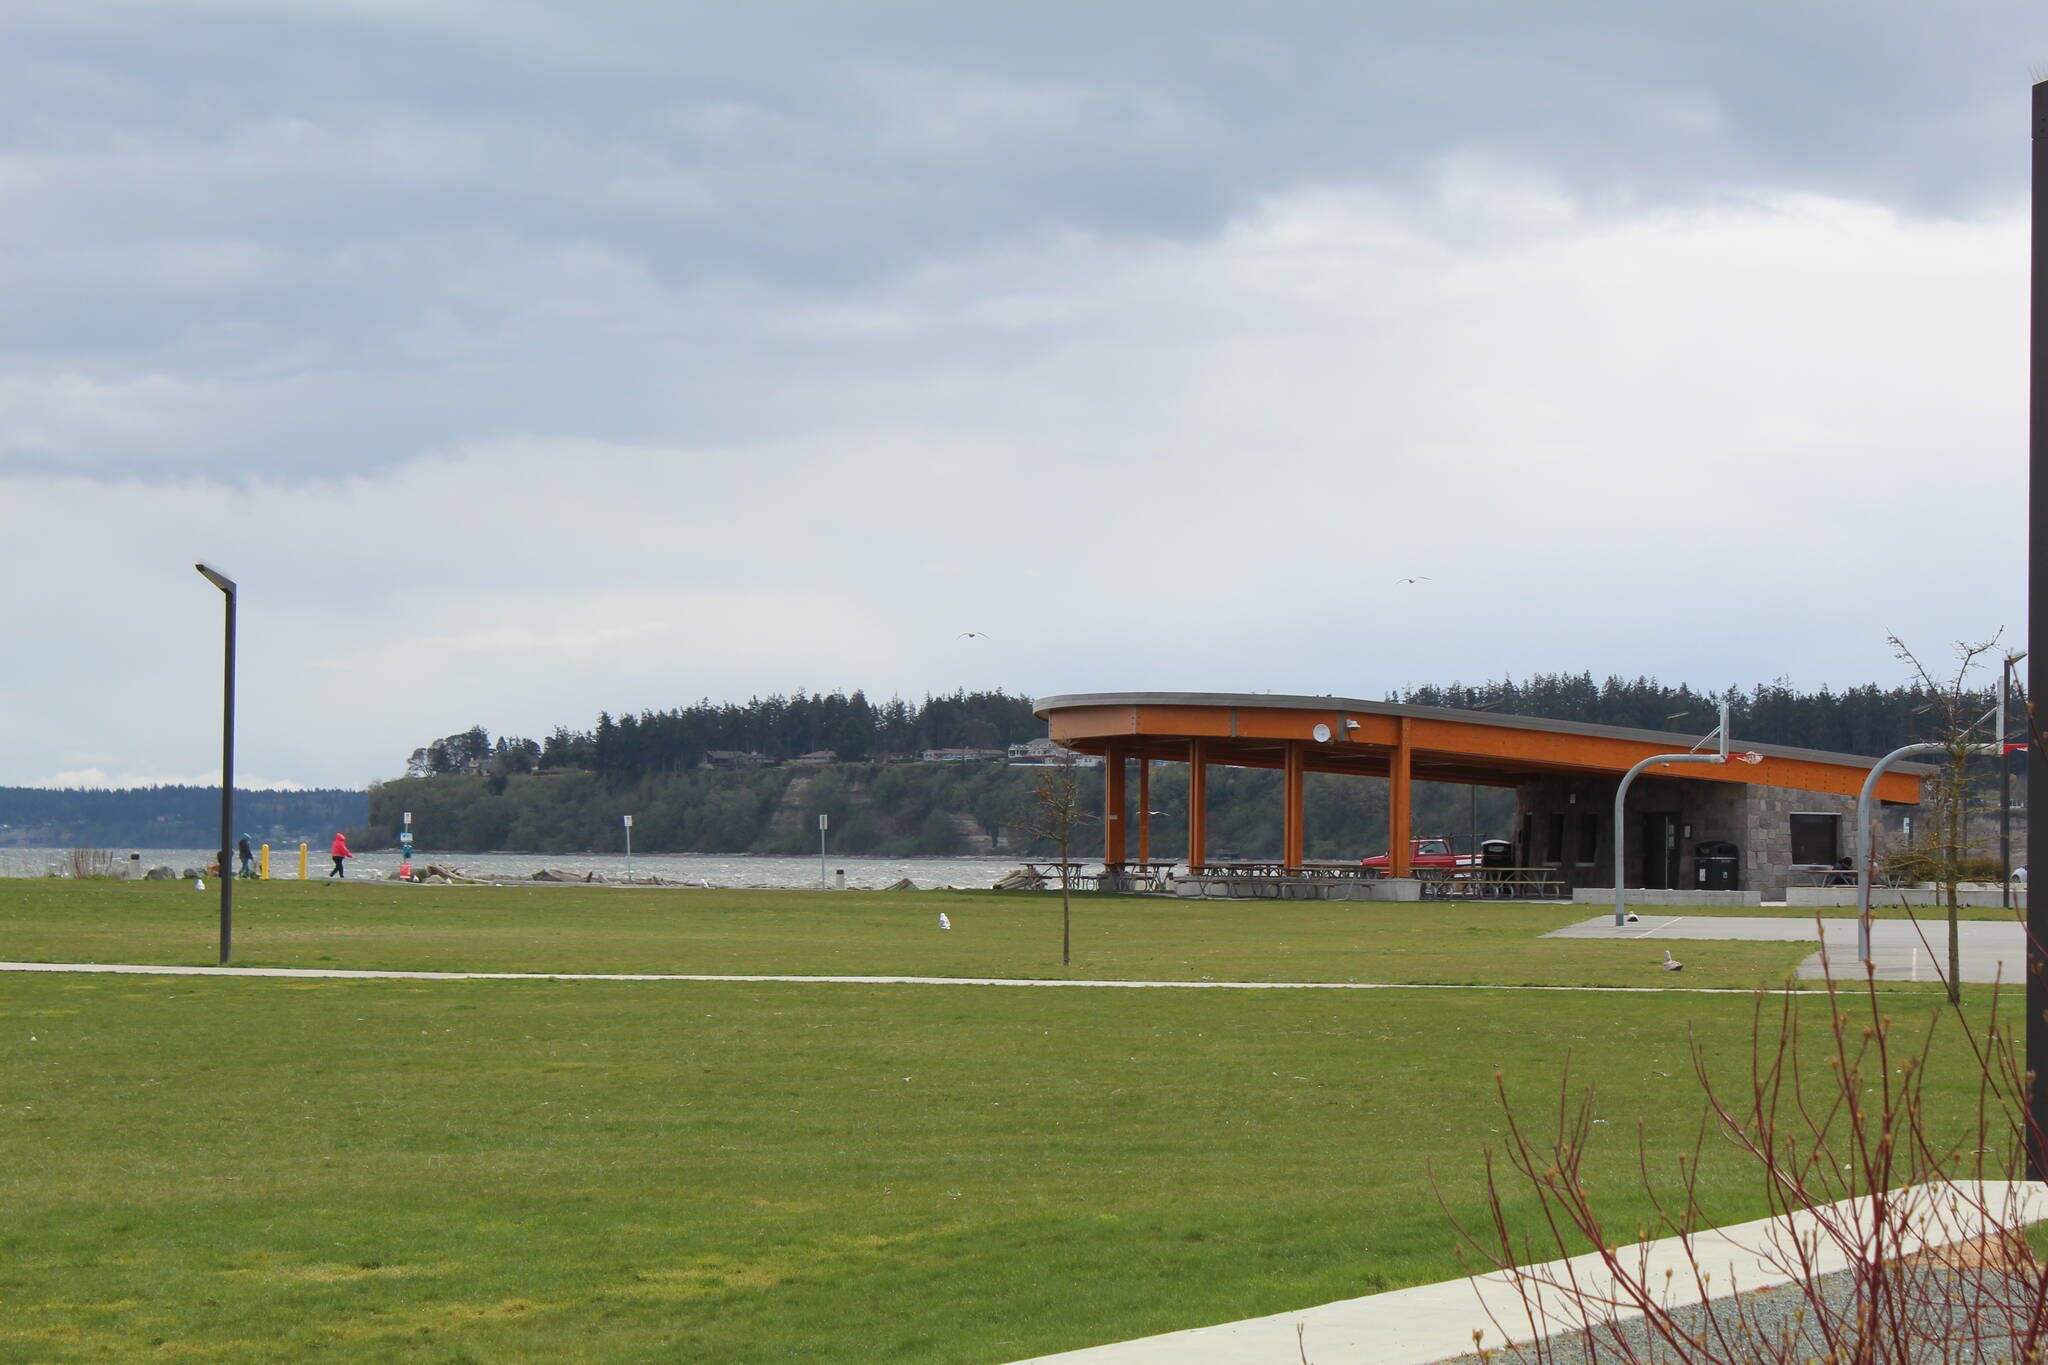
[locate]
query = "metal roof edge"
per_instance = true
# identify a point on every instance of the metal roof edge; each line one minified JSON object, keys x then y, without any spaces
{"x":1507,"y":722}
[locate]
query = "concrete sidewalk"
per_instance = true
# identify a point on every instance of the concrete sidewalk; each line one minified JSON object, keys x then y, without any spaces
{"x":1903,"y":950}
{"x":1435,"y":1322}
{"x":369,"y":974}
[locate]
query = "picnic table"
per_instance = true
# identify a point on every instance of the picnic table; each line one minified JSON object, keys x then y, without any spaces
{"x":1236,"y":869}
{"x":1829,"y":874}
{"x":1497,"y":883}
{"x":1137,"y":874}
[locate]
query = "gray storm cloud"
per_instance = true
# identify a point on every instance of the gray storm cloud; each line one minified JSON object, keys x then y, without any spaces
{"x":528,"y":360}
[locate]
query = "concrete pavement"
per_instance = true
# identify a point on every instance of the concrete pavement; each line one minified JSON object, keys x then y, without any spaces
{"x":1903,"y":950}
{"x":352,"y":974}
{"x":1435,"y":1322}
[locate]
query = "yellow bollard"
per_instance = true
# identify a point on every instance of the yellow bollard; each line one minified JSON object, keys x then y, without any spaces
{"x":302,"y":862}
{"x":264,"y":862}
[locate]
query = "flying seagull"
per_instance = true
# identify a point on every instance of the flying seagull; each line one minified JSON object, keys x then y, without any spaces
{"x":1417,"y":578}
{"x":974,"y":635}
{"x":1672,"y":964}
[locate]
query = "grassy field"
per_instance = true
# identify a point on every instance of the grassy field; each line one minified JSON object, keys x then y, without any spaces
{"x":266,"y":1170}
{"x":282,"y":1170}
{"x":577,"y":929}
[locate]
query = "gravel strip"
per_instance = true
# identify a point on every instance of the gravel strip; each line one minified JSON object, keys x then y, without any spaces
{"x":1941,"y":1330}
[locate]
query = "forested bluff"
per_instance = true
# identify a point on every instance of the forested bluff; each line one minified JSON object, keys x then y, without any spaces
{"x":569,"y":791}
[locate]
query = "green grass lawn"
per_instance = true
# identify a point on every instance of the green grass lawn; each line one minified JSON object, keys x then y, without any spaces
{"x":265,"y":1170}
{"x":577,"y":929}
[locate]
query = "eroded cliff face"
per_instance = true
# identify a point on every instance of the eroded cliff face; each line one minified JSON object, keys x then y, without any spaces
{"x":860,"y":816}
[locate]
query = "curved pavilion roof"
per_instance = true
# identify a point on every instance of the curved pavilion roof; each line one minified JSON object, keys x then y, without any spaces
{"x":1258,"y":730}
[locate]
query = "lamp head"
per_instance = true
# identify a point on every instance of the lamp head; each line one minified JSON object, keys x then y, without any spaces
{"x":217,"y":578}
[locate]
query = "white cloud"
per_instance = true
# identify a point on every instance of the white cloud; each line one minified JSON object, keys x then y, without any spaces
{"x":1718,"y":444}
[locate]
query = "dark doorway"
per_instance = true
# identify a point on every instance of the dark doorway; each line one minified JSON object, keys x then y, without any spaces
{"x":1660,"y":850}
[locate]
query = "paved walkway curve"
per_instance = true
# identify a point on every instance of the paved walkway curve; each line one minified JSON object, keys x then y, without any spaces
{"x":1435,"y":1322}
{"x":349,"y":974}
{"x":1900,"y":950}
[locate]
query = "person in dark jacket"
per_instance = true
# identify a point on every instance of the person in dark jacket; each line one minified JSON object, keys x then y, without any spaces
{"x":243,"y":852}
{"x":340,"y":851}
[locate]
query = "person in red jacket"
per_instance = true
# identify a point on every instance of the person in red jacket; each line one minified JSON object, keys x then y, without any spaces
{"x":340,"y":851}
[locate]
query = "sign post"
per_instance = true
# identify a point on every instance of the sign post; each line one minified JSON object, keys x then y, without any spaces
{"x":629,"y":843}
{"x":822,"y":820}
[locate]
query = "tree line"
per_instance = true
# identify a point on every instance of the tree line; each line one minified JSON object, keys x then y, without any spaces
{"x":894,"y":809}
{"x":568,"y":793}
{"x":1867,"y":719}
{"x":1859,"y":720}
{"x":630,"y":747}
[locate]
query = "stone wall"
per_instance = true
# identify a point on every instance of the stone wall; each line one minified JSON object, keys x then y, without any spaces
{"x":1766,"y":838}
{"x":1757,"y":820}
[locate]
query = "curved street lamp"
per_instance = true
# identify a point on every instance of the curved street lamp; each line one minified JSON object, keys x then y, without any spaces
{"x":227,"y":763}
{"x":1659,"y":761}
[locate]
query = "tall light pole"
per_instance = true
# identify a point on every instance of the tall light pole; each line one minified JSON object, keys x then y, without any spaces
{"x":2037,"y":640}
{"x":227,"y":764}
{"x":2005,"y":782}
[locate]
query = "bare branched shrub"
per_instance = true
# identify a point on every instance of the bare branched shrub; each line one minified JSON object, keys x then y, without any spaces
{"x":90,"y":862}
{"x":1056,"y":810}
{"x":1955,"y":790}
{"x":1902,"y":1239}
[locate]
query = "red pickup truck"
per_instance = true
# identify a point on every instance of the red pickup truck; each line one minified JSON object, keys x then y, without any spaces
{"x":1428,"y":856}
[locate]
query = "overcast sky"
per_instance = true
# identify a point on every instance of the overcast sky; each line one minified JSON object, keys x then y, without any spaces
{"x":528,"y":360}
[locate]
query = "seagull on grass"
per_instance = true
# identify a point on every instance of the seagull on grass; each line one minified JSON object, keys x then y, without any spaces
{"x":944,"y":923}
{"x":1672,"y":964}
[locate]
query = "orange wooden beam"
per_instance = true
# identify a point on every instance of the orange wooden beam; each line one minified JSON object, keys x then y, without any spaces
{"x":1293,"y":839}
{"x":1113,"y":804}
{"x":1144,"y":810}
{"x":1519,"y":753}
{"x":1198,"y":802}
{"x":1400,"y":803}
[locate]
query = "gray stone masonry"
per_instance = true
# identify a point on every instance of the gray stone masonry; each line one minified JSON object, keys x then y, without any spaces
{"x":1757,"y":820}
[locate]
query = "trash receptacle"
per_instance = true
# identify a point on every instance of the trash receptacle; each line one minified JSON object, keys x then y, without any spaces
{"x":1715,"y":863}
{"x":1494,"y":854}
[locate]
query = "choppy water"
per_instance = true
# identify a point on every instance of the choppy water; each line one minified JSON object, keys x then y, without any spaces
{"x":739,"y":872}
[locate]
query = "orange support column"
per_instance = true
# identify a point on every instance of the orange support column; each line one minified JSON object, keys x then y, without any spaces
{"x":1198,"y":803}
{"x":1144,"y":810}
{"x":1398,"y":800}
{"x":1112,"y":803}
{"x":1292,"y":837}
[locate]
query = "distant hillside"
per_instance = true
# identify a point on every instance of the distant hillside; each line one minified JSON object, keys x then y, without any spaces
{"x":894,"y":808}
{"x":170,"y":817}
{"x":710,"y":778}
{"x":773,"y":728}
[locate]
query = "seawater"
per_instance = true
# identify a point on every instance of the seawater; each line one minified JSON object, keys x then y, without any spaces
{"x":735,"y":871}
